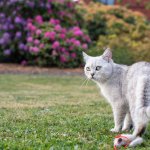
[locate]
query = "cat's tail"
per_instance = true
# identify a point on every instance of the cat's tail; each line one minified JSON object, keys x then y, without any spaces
{"x":143,"y":97}
{"x":136,"y":142}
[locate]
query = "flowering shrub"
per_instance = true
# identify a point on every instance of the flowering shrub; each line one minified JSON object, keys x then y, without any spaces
{"x":124,"y":30}
{"x":50,"y":44}
{"x":23,"y":22}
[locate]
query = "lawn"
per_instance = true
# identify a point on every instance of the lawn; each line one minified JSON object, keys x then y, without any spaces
{"x":54,"y":113}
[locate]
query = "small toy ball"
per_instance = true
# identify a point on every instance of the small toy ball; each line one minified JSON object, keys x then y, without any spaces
{"x":127,"y":140}
{"x":121,"y":140}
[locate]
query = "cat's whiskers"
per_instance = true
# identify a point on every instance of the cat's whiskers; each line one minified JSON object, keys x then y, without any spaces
{"x":87,"y":81}
{"x":84,"y":82}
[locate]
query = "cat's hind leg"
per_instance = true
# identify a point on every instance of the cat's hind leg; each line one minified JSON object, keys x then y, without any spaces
{"x":136,"y":142}
{"x":139,"y":129}
{"x":148,"y":112}
{"x":141,"y":110}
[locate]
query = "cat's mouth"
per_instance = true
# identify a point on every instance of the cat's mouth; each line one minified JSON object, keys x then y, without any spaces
{"x":92,"y":78}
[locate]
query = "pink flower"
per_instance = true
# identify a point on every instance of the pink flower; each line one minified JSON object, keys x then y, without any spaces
{"x":39,"y":19}
{"x":54,"y":21}
{"x":55,"y":45}
{"x":63,"y":49}
{"x":58,"y":28}
{"x":41,"y":46}
{"x":72,"y":40}
{"x":78,"y":33}
{"x":76,"y":28}
{"x":38,"y":32}
{"x":54,"y":53}
{"x":36,"y":42}
{"x":71,"y":48}
{"x":68,"y":41}
{"x":70,"y":4}
{"x":30,"y":48}
{"x":29,"y":39}
{"x":49,"y":11}
{"x":77,"y":43}
{"x":62,"y":13}
{"x":84,"y":46}
{"x":62,"y":36}
{"x":63,"y":30}
{"x":73,"y":55}
{"x":47,"y":34}
{"x":87,"y":38}
{"x":63,"y":59}
{"x":50,"y":35}
{"x":34,"y":49}
{"x":24,"y":62}
{"x":66,"y":53}
{"x":29,"y":20}
{"x":31,"y":27}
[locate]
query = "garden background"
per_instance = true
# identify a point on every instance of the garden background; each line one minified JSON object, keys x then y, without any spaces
{"x":48,"y":106}
{"x":53,"y":33}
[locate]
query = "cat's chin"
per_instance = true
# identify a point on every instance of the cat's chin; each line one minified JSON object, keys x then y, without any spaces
{"x":92,"y":78}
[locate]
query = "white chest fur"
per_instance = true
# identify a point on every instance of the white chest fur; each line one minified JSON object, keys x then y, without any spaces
{"x":112,"y":92}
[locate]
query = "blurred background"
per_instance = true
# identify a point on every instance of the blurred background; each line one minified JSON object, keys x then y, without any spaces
{"x":53,"y":33}
{"x":45,"y":105}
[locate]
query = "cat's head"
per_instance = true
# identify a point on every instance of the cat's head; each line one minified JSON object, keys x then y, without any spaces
{"x":99,"y":68}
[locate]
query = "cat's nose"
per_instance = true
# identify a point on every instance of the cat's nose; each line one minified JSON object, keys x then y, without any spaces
{"x":92,"y":74}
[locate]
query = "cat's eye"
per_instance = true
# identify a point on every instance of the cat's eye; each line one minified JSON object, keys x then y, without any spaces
{"x":98,"y":68}
{"x":88,"y":69}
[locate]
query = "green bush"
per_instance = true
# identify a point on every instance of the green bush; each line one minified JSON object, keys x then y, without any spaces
{"x":97,"y":26}
{"x":23,"y":24}
{"x":123,"y":30}
{"x":120,"y":55}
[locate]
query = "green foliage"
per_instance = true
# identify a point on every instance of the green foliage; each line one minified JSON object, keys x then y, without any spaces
{"x":96,"y":26}
{"x":125,"y":31}
{"x":120,"y":55}
{"x":130,"y":20}
{"x":147,"y":5}
{"x":119,"y":1}
{"x":116,"y":12}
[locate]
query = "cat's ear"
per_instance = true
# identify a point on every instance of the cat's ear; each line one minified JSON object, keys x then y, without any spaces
{"x":85,"y":56}
{"x":107,"y":55}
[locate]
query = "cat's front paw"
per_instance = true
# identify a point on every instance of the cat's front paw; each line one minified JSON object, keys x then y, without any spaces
{"x":115,"y":130}
{"x":127,"y":128}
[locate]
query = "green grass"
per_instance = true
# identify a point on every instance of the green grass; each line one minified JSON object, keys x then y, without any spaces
{"x":54,"y":113}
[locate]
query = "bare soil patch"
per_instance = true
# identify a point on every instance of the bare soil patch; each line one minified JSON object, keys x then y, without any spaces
{"x":18,"y":69}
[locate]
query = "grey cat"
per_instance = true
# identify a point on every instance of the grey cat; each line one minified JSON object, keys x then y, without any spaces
{"x":126,"y":88}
